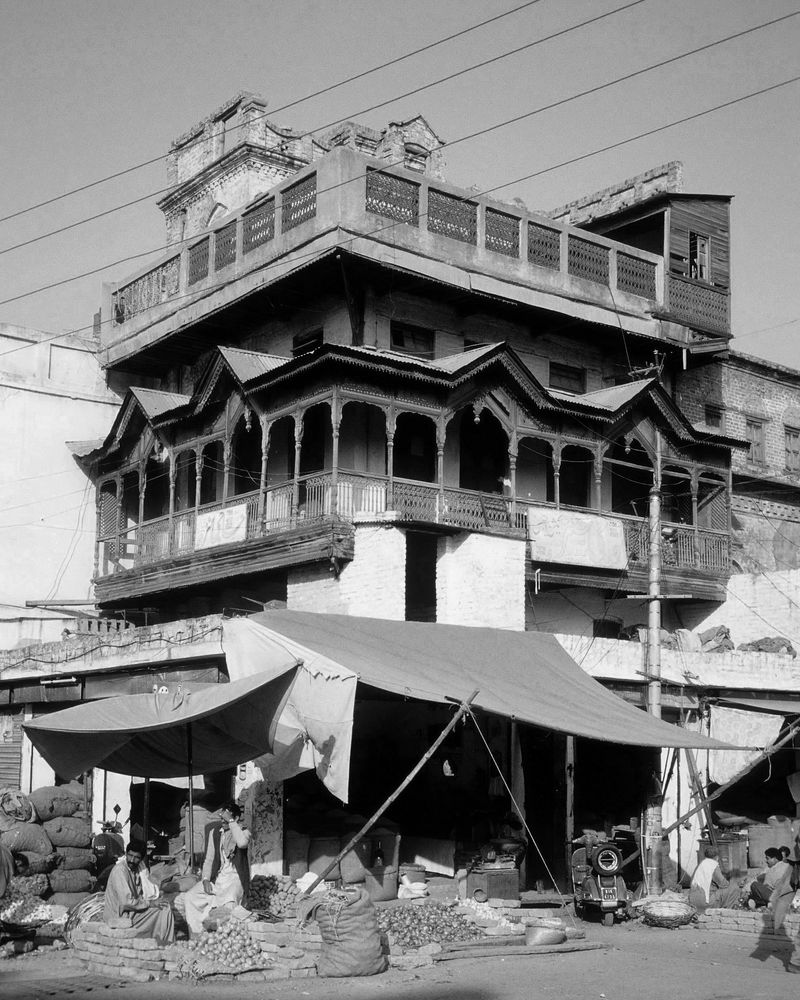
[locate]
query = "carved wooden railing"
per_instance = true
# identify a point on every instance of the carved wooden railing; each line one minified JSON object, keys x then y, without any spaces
{"x":698,"y":304}
{"x":350,"y":495}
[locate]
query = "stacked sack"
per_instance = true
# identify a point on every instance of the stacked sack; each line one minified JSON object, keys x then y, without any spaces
{"x":56,"y":839}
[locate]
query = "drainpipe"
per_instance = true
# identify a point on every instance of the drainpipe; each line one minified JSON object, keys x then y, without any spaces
{"x":652,"y":814}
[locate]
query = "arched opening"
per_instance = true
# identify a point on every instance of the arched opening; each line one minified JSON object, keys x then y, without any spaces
{"x":415,"y":448}
{"x":213,"y":475}
{"x":362,"y":439}
{"x":712,"y":502}
{"x":535,"y":470}
{"x":676,"y":495}
{"x":316,"y":449}
{"x":245,"y":471}
{"x":156,"y":486}
{"x":280,"y":455}
{"x":185,"y":481}
{"x":631,"y":474}
{"x":576,"y":474}
{"x":483,"y":457}
{"x":130,"y":499}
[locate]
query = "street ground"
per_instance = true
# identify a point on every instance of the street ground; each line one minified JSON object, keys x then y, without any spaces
{"x":685,"y":964}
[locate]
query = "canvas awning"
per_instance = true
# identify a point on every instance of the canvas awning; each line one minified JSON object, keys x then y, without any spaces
{"x":775,"y":706}
{"x":526,"y":676}
{"x":147,"y":734}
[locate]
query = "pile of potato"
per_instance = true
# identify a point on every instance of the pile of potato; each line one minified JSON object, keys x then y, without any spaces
{"x":415,"y":926}
{"x":228,"y":949}
{"x":275,"y":894}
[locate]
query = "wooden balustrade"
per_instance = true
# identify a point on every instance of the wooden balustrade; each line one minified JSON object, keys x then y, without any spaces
{"x":683,"y":546}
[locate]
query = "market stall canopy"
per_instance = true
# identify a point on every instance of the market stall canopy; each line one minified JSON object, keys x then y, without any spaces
{"x":526,"y":676}
{"x":775,"y":706}
{"x":147,"y":734}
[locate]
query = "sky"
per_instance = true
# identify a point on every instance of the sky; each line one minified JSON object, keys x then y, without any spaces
{"x":92,"y":87}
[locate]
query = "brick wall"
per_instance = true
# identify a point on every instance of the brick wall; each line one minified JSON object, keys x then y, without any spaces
{"x":480,"y":580}
{"x":372,"y":584}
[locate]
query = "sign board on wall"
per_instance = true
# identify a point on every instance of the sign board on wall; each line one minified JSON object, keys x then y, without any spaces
{"x":221,"y":527}
{"x":565,"y":536}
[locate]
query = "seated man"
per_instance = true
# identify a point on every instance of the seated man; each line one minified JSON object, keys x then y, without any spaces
{"x":762,"y":887}
{"x":226,"y":870}
{"x":131,"y":899}
{"x":709,"y":886}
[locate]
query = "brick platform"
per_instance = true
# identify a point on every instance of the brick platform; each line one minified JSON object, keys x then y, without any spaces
{"x":756,"y":923}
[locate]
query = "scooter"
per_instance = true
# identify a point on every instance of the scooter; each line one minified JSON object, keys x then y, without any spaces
{"x":597,"y":882}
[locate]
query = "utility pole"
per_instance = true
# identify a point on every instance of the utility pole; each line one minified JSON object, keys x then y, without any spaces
{"x":651,"y":853}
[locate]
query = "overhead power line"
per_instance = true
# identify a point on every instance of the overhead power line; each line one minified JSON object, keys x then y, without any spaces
{"x":338,"y":121}
{"x":285,"y":107}
{"x":473,"y":135}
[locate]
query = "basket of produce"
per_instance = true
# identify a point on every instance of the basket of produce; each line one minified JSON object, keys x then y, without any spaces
{"x":668,"y":913}
{"x":24,"y":915}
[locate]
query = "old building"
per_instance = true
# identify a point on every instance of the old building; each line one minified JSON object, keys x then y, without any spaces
{"x":353,"y":387}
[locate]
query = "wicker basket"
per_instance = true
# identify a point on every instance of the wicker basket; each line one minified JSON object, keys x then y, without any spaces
{"x":668,"y":913}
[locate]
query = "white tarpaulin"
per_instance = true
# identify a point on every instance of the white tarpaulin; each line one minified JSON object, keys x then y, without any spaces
{"x":742,"y":728}
{"x":565,"y":536}
{"x":221,"y":527}
{"x":315,"y":727}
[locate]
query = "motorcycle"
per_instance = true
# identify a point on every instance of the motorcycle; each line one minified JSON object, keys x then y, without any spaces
{"x":597,"y":881}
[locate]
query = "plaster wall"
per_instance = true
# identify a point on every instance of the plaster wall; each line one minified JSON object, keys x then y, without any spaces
{"x":480,"y":580}
{"x":371,"y":585}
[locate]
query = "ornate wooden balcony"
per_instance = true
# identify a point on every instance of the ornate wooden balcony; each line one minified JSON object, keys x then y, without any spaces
{"x":240,"y":522}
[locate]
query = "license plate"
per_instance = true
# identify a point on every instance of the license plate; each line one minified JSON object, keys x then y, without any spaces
{"x":609,"y":894}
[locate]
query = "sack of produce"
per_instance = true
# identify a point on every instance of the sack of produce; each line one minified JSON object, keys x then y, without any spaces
{"x":66,"y":831}
{"x":40,"y":864}
{"x":27,"y":837}
{"x":70,"y":881}
{"x":52,"y":801}
{"x":349,"y":928}
{"x":72,"y":858}
{"x":68,"y":899}
{"x":14,"y":808}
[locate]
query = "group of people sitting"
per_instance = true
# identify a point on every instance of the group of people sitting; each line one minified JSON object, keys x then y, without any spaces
{"x":710,"y":887}
{"x":133,"y":901}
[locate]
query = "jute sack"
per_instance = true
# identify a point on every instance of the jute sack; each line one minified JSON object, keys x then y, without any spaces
{"x":15,"y":807}
{"x":73,"y":858}
{"x":40,"y":864}
{"x":351,"y":940}
{"x":70,"y":881}
{"x":68,"y":899}
{"x":51,"y":801}
{"x":27,"y":837}
{"x":66,"y":831}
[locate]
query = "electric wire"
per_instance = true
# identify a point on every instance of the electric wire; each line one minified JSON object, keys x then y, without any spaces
{"x":338,"y":121}
{"x":445,"y":79}
{"x":390,"y":226}
{"x":284,"y":107}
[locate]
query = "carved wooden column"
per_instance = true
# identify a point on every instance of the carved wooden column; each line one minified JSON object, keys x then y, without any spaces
{"x":298,"y":445}
{"x":391,"y":425}
{"x":336,"y":421}
{"x":512,"y":478}
{"x":98,"y":512}
{"x":227,"y":451}
{"x":598,"y":478}
{"x":199,"y":460}
{"x":266,"y":429}
{"x":557,"y":474}
{"x":694,"y":485}
{"x":173,"y":472}
{"x":441,"y":433}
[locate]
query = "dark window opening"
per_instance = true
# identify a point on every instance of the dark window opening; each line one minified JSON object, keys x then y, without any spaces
{"x":792,"y":449}
{"x":303,"y":343}
{"x":699,"y":257}
{"x":415,"y":340}
{"x":713,"y":417}
{"x":567,"y":378}
{"x":420,"y":577}
{"x":754,"y":434}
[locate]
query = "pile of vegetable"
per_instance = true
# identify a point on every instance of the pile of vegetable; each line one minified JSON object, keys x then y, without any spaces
{"x":275,"y":894}
{"x":22,"y":904}
{"x":229,"y":949}
{"x":25,"y":910}
{"x":417,"y":925}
